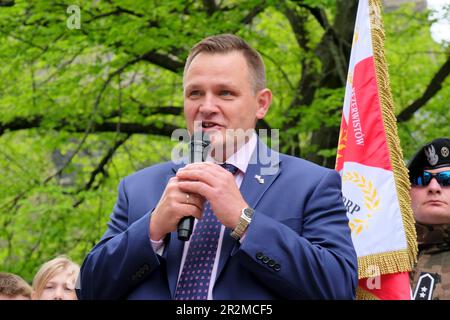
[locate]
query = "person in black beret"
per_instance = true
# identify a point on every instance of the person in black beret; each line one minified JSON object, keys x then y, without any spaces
{"x":429,"y":173}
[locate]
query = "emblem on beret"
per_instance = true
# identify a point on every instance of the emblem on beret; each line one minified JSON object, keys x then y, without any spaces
{"x":444,"y":152}
{"x":432,"y":157}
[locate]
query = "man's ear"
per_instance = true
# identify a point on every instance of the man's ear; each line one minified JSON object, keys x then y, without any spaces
{"x":264,"y":98}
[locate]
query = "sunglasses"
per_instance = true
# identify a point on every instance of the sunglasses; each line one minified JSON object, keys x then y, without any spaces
{"x":422,"y":180}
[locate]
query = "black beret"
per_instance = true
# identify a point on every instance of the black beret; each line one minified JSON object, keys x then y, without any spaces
{"x":433,"y":155}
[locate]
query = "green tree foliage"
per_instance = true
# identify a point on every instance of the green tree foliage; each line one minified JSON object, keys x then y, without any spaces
{"x":82,"y":108}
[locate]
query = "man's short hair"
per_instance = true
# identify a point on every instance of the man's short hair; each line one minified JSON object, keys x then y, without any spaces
{"x":12,"y":285}
{"x":226,"y":43}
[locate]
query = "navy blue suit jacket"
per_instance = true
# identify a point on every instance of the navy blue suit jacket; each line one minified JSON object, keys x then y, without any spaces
{"x":298,"y":245}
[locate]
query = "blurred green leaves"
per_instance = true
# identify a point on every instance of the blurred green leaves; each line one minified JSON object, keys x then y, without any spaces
{"x":68,"y":96}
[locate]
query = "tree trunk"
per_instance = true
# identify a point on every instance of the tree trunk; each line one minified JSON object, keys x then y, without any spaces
{"x":334,"y":54}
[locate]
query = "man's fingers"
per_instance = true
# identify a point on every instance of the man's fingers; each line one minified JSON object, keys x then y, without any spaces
{"x":192,"y":199}
{"x":208,"y":173}
{"x":190,"y":210}
{"x":198,"y":175}
{"x":204,"y":167}
{"x":199,"y":164}
{"x":195,"y":187}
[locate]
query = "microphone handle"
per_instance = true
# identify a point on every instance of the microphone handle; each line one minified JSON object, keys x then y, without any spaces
{"x":185,"y":227}
{"x":198,"y":151}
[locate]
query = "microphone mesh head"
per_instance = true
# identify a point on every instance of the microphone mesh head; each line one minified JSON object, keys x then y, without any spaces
{"x":199,"y":146}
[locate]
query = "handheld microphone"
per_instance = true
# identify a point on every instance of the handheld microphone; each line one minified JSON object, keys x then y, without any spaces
{"x":198,"y":150}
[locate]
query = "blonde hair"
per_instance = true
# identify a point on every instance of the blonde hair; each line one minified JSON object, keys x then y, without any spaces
{"x":51,"y":268}
{"x":12,"y":285}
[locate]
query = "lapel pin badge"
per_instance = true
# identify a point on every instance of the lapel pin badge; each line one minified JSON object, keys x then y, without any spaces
{"x":260,"y":180}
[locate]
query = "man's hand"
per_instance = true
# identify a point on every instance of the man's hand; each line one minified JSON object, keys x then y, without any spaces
{"x":174,"y":205}
{"x":218,"y":186}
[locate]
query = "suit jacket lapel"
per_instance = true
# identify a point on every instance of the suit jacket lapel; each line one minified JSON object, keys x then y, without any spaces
{"x":252,"y":191}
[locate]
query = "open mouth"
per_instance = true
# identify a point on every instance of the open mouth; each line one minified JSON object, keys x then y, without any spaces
{"x":209,"y":125}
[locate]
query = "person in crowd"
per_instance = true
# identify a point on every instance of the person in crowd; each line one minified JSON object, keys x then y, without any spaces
{"x":13,"y":287}
{"x":429,"y":172}
{"x":56,"y":280}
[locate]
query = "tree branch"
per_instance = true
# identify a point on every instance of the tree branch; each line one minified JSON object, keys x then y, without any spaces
{"x":297,"y":22}
{"x":31,"y":44}
{"x":145,"y":110}
{"x":91,"y":122}
{"x":104,"y":161}
{"x":162,"y":129}
{"x":119,"y":10}
{"x":20,"y":123}
{"x":253,"y":13}
{"x":61,"y":67}
{"x":278,"y":66}
{"x":319,"y":15}
{"x":433,"y":87}
{"x":210,"y":6}
{"x":7,"y":3}
{"x":309,"y":77}
{"x":163,"y":61}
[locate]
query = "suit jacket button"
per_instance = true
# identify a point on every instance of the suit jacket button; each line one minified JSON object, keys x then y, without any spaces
{"x":271,"y":263}
{"x":265,"y":259}
{"x":259,"y":255}
{"x":277,"y":267}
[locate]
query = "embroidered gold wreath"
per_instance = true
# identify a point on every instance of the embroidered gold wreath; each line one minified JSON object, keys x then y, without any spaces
{"x":342,"y":143}
{"x":371,"y":199}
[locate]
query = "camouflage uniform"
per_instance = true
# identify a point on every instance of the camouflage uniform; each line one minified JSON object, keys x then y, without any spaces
{"x":430,"y":280}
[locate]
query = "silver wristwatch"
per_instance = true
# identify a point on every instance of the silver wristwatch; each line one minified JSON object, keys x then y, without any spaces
{"x":244,"y":221}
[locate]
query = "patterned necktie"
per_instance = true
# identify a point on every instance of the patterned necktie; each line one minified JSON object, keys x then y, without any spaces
{"x":196,"y":275}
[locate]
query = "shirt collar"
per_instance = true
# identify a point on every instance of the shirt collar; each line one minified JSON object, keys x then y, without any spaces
{"x":241,"y":158}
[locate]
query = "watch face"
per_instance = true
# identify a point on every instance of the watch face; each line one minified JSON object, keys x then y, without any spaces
{"x":249,"y":212}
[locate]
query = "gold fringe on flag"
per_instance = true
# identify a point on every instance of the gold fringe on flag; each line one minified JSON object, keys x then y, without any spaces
{"x":362,"y":294}
{"x":408,"y":259}
{"x":383,"y":263}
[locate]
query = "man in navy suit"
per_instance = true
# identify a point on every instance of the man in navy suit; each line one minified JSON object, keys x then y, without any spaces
{"x":263,"y":230}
